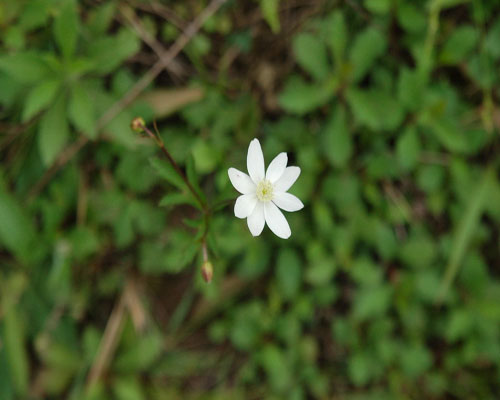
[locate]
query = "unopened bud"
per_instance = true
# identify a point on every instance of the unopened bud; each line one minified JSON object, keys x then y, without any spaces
{"x":138,"y":124}
{"x":207,"y":270}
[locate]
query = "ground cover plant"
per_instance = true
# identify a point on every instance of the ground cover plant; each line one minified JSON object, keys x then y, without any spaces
{"x":388,"y":286}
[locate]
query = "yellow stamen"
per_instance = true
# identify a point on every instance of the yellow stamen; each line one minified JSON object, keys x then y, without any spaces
{"x":265,"y":190}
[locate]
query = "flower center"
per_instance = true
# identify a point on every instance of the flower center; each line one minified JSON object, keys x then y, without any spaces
{"x":265,"y":190}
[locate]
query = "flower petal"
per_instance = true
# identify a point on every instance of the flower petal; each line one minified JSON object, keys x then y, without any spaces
{"x":276,"y":220}
{"x":287,"y":201}
{"x":287,"y":179}
{"x":277,"y":167}
{"x":256,"y":220}
{"x":245,"y":205}
{"x":255,"y":161}
{"x":241,"y":181}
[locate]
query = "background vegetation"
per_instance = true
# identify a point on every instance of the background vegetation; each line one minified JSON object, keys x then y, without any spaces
{"x":389,"y":286}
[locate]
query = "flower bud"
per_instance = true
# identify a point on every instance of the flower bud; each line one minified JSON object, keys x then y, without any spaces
{"x":207,"y":270}
{"x":138,"y":124}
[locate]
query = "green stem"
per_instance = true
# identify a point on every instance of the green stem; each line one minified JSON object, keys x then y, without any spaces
{"x":433,"y":25}
{"x":465,"y":231}
{"x":162,"y":147}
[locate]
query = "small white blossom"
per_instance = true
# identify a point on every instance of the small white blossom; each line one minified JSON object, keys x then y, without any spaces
{"x":262,"y":193}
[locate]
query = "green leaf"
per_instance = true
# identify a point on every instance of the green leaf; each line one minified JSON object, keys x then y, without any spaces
{"x":193,"y":177}
{"x":411,"y":17}
{"x":288,"y":273}
{"x":184,"y":364}
{"x":415,"y":359}
{"x":430,"y":178}
{"x":459,"y":45}
{"x":6,"y":386}
{"x":100,"y":17}
{"x":174,"y":199}
{"x":337,"y":34}
{"x":39,"y":98}
{"x":14,"y":38}
{"x":411,"y":89}
{"x":366,"y":273}
{"x":362,"y":368}
{"x":14,"y":342}
{"x":61,"y":356}
{"x":134,"y":173}
{"x":77,"y":67}
{"x":368,"y":46}
{"x":59,"y":277}
{"x":376,"y":109}
{"x":53,"y":132}
{"x":25,"y":67}
{"x":140,"y":355}
{"x":427,"y":285}
{"x":245,"y":330}
{"x":166,"y":171}
{"x":274,"y":364}
{"x":408,"y":148}
{"x":205,"y":156}
{"x":474,"y":275}
{"x":156,"y":257}
{"x":119,"y":127}
{"x":35,"y":14}
{"x":311,"y":55}
{"x":81,"y":111}
{"x":491,"y":43}
{"x":270,"y":11}
{"x":321,"y":272}
{"x":110,"y":52}
{"x":300,"y":97}
{"x":337,"y":139}
{"x":11,"y":90}
{"x":66,"y":28}
{"x":84,"y":243}
{"x":382,"y":236}
{"x":460,"y":323}
{"x":16,"y":230}
{"x":482,"y":70}
{"x":446,"y":131}
{"x":128,"y":388}
{"x":418,"y":252}
{"x":381,"y":7}
{"x":373,"y":303}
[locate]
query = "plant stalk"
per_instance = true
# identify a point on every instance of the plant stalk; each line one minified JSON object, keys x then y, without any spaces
{"x":158,"y":140}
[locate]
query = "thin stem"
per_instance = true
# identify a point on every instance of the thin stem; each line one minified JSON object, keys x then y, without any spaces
{"x":425,"y":63}
{"x":204,"y":249}
{"x":158,"y":140}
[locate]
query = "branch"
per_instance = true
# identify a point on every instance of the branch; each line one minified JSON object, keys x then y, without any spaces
{"x":165,"y":58}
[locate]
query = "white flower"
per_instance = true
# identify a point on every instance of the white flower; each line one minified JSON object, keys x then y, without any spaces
{"x":262,"y":194}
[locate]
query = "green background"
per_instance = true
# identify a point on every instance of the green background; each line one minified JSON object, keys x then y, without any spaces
{"x":389,"y":285}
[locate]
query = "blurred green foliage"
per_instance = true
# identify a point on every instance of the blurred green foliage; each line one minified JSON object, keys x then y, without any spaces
{"x":389,"y":285}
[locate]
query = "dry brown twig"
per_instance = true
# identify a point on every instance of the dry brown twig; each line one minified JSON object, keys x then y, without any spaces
{"x":166,"y":58}
{"x":135,"y":306}
{"x":130,"y":302}
{"x":130,"y":17}
{"x":161,"y":11}
{"x":109,"y":341}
